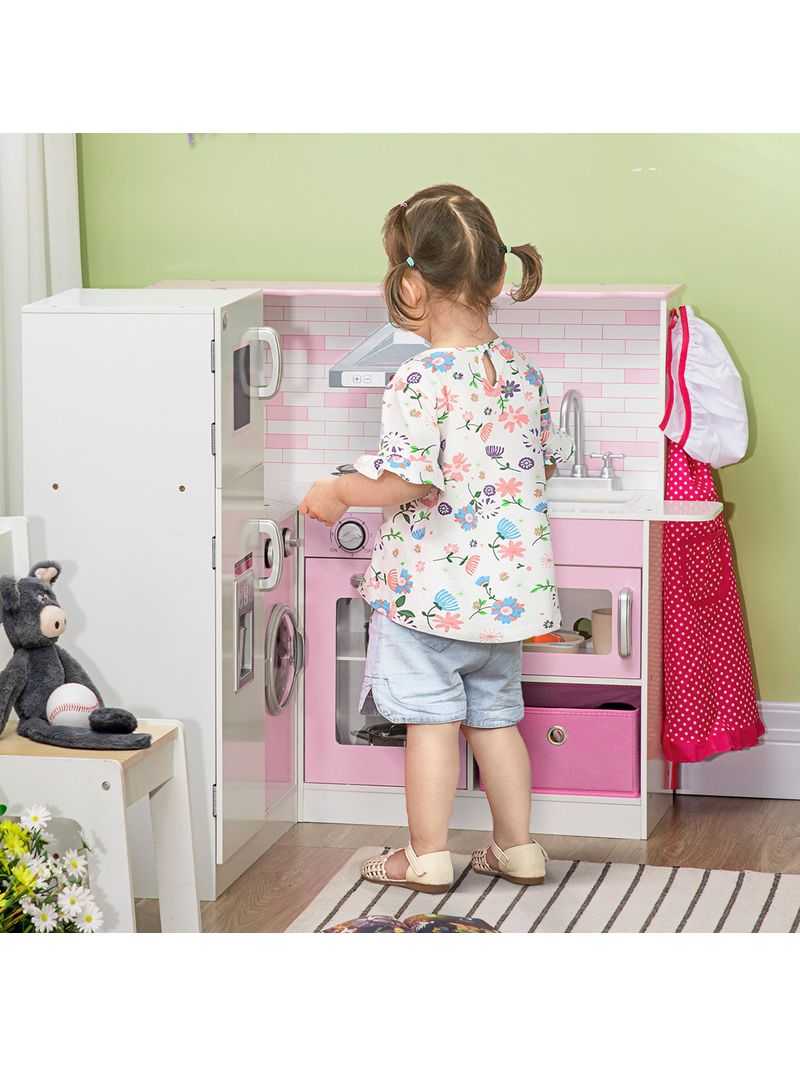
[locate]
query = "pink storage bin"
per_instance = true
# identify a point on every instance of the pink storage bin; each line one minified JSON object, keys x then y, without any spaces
{"x":598,"y":753}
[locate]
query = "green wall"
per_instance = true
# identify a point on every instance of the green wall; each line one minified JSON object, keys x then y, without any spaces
{"x":718,"y":212}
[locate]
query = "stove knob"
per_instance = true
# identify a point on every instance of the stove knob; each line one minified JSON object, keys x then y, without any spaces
{"x":351,"y":535}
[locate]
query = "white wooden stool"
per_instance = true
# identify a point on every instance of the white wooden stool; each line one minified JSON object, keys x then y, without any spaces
{"x":94,"y":788}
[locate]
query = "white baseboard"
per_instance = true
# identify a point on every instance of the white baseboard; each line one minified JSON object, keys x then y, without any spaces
{"x":770,"y":769}
{"x":619,"y":817}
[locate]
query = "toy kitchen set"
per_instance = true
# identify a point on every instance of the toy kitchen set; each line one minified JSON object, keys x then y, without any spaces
{"x":188,"y":397}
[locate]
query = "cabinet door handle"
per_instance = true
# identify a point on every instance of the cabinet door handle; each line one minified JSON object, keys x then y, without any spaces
{"x":272,"y":339}
{"x":274,"y":541}
{"x":356,"y":580}
{"x":624,"y":623}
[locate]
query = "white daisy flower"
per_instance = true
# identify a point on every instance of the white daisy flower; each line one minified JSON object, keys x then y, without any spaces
{"x":46,"y":837}
{"x":42,"y":871}
{"x":87,"y":838}
{"x":71,"y":899}
{"x":44,"y":918}
{"x":74,"y":864}
{"x":90,"y":919}
{"x":35,"y":817}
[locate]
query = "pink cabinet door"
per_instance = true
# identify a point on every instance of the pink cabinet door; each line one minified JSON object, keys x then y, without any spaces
{"x":582,"y":590}
{"x":336,"y":639}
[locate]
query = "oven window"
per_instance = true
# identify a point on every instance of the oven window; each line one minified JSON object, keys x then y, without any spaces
{"x":241,"y":387}
{"x":352,"y":634}
{"x":586,"y":612}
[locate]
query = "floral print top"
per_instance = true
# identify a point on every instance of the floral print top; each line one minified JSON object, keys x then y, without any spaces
{"x":470,"y":559}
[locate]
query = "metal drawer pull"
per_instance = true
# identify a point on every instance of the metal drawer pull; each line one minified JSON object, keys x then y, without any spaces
{"x":356,"y":580}
{"x":624,"y":623}
{"x":557,"y":735}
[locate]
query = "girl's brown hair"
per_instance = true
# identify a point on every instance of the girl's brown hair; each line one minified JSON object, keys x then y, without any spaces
{"x":452,"y":240}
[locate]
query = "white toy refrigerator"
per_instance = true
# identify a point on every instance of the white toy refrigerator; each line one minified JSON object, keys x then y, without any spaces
{"x":143,"y":424}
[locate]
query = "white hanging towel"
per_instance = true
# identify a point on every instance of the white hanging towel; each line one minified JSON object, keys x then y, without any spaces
{"x":705,"y":412}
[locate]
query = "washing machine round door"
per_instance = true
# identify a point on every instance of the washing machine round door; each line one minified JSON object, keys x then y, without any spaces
{"x":283,"y":659}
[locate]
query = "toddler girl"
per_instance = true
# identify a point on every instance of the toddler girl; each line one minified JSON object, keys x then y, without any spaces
{"x":462,"y":569}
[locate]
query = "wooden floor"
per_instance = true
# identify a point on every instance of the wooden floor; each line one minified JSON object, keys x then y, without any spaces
{"x":725,"y":833}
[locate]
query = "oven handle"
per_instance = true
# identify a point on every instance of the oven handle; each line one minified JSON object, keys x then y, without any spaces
{"x":269,"y":528}
{"x":271,"y":338}
{"x":624,"y":619}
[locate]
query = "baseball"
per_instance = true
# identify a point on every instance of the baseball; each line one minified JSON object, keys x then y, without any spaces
{"x":71,"y":705}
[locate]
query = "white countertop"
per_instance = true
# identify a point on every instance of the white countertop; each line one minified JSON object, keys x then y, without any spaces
{"x":645,"y":507}
{"x":190,"y":301}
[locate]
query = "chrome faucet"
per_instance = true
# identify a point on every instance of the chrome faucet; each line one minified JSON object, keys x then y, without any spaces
{"x":573,"y":401}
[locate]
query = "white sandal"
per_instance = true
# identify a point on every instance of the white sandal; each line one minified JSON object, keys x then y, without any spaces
{"x":435,"y":875}
{"x":521,"y":864}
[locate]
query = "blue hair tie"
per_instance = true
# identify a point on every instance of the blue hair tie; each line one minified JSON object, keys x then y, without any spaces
{"x":409,"y":261}
{"x":508,"y":248}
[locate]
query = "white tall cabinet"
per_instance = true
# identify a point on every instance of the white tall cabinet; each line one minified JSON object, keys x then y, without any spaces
{"x":143,"y":474}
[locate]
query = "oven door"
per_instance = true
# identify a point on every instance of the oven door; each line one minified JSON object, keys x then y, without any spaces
{"x":345,"y":744}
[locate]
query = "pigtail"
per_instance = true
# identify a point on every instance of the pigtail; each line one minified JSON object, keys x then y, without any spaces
{"x":400,"y":312}
{"x":397,"y":241}
{"x":531,"y":272}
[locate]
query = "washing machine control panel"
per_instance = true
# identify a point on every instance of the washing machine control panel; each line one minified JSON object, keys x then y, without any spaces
{"x":350,"y":534}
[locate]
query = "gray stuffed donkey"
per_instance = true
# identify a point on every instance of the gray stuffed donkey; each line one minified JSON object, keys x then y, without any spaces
{"x":34,"y":622}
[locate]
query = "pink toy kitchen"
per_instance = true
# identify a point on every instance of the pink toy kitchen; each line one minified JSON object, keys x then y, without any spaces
{"x":277,"y":384}
{"x":594,"y":718}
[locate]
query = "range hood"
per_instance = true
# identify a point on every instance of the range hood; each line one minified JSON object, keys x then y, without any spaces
{"x":372,"y":364}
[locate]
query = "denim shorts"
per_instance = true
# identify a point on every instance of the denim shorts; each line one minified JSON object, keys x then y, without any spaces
{"x":421,"y":677}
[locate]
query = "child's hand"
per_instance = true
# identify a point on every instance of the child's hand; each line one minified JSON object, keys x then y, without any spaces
{"x":323,"y":502}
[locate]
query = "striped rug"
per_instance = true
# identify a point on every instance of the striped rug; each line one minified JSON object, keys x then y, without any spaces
{"x":577,"y":897}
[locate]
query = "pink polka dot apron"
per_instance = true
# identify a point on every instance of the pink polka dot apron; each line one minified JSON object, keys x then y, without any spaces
{"x":710,"y":702}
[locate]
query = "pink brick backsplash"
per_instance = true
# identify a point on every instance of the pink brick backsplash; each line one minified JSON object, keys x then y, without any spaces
{"x":286,"y":440}
{"x":584,"y":388}
{"x":631,"y":333}
{"x":609,"y":350}
{"x":276,"y":412}
{"x":345,"y":399}
{"x":644,"y":348}
{"x":642,"y":318}
{"x":630,"y":448}
{"x":325,"y":355}
{"x":549,"y":359}
{"x":526,"y":344}
{"x":351,"y":314}
{"x":648,"y":375}
{"x":301,"y":341}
